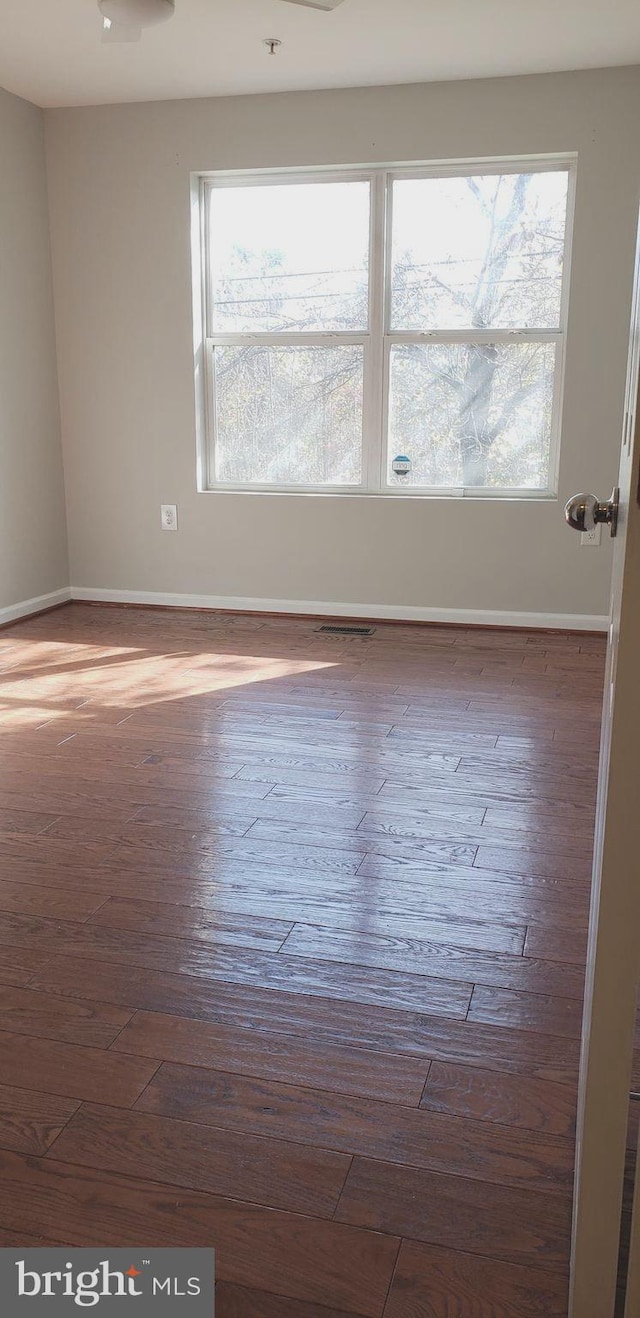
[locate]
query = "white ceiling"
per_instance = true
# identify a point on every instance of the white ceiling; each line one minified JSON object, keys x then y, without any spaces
{"x":51,"y":52}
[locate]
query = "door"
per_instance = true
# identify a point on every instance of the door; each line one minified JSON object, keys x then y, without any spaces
{"x":613,"y":963}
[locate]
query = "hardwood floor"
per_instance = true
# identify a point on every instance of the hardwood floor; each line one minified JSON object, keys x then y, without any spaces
{"x":292,"y":940}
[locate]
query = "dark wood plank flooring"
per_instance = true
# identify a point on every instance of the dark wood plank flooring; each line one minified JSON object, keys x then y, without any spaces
{"x":292,"y":940}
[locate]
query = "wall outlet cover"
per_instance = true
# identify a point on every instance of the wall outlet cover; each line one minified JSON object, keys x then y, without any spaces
{"x":591,"y":537}
{"x":169,"y":516}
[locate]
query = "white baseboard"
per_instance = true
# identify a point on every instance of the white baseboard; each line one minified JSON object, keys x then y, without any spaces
{"x":12,"y":612}
{"x":323,"y":608}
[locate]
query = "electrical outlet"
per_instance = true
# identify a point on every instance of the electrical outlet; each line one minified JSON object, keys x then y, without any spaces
{"x":591,"y":537}
{"x":169,"y":516}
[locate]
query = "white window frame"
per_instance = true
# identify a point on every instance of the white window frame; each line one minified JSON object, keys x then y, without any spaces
{"x":378,"y":338}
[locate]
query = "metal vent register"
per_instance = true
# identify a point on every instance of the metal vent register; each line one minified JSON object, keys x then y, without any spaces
{"x":345,"y":631}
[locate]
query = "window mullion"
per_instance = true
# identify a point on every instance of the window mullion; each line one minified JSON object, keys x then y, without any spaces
{"x":328,"y":339}
{"x":373,"y":428}
{"x":210,"y":411}
{"x":476,"y":336}
{"x":205,"y":207}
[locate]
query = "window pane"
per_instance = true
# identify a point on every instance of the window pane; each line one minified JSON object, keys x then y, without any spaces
{"x":478,"y":252}
{"x":472,"y":414}
{"x":288,"y":416}
{"x":289,"y":257}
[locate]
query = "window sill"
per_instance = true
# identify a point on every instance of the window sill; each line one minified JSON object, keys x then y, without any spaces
{"x":476,"y":496}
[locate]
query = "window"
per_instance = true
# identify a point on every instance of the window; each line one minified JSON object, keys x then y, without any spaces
{"x":385,"y":331}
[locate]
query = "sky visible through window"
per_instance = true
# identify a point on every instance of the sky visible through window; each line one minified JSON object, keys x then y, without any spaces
{"x":303,"y":246}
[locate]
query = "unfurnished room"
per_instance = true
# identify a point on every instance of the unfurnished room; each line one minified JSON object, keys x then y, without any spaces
{"x":319,"y":655}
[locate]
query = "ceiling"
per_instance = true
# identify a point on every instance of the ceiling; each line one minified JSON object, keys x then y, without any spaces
{"x":51,"y":52}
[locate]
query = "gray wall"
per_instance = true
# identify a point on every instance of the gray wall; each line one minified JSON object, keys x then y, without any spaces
{"x":119,"y":194}
{"x":33,"y":547}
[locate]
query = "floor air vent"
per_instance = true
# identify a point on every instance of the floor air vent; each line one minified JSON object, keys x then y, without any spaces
{"x":345,"y":631}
